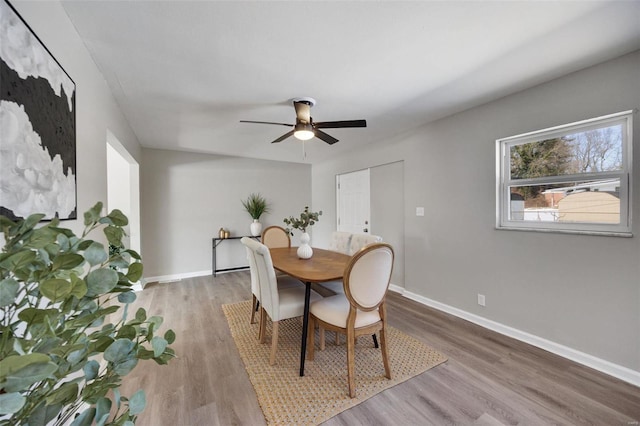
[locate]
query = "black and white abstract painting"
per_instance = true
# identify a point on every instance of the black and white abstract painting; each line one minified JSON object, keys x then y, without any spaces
{"x":37,"y":125}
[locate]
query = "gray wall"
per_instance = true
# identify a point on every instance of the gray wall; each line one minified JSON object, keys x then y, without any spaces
{"x":186,"y":198}
{"x":96,"y":110}
{"x":387,"y":212}
{"x":580,"y":291}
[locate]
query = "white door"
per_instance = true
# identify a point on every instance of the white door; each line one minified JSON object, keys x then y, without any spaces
{"x":353,"y":202}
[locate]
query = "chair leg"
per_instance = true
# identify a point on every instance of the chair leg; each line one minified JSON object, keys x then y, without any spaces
{"x":383,"y":349}
{"x":351,"y":362}
{"x":263,"y":326}
{"x":274,"y":342}
{"x":254,"y":308}
{"x":322,"y":334}
{"x":375,"y":341}
{"x":311,"y":338}
{"x":337,"y":338}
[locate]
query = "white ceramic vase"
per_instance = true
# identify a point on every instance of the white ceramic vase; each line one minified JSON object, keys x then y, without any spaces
{"x":305,"y":251}
{"x":256,"y":228}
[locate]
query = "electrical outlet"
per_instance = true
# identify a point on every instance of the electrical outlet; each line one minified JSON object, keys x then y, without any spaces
{"x":481,"y":299}
{"x":419,"y":211}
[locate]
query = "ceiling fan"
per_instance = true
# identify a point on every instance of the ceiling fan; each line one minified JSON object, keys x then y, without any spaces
{"x":305,"y":128}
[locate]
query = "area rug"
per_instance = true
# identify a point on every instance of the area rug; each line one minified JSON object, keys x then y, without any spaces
{"x":288,"y":399}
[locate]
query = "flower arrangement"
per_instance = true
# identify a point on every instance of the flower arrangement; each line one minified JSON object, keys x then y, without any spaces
{"x":256,"y":206}
{"x":306,"y":220}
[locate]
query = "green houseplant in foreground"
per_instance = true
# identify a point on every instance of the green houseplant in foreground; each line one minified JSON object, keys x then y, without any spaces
{"x":66,"y":339}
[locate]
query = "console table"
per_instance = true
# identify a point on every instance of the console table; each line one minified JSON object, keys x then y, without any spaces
{"x":214,"y":243}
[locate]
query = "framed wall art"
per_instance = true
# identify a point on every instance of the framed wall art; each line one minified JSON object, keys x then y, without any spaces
{"x":37,"y":125}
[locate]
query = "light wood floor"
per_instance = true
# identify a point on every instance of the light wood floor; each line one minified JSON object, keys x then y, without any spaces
{"x":489,"y":379}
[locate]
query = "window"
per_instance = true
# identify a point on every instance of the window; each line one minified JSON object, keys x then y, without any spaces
{"x":573,"y":178}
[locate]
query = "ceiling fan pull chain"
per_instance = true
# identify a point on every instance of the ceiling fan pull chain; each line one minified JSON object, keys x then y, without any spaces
{"x":304,"y":151}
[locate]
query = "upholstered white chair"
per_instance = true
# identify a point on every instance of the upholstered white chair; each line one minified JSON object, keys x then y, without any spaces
{"x":358,"y":241}
{"x":275,"y":236}
{"x":354,"y":242}
{"x":340,"y":241}
{"x":361,"y":309}
{"x":283,"y":281}
{"x":278,"y":302}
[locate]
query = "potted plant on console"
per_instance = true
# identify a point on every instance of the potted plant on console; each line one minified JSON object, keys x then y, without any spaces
{"x":256,"y":205}
{"x":306,"y":220}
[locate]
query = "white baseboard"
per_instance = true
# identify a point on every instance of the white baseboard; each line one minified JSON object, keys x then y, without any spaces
{"x":607,"y":367}
{"x":175,"y":277}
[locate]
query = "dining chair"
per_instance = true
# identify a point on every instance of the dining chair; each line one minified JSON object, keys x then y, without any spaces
{"x":277,"y":301}
{"x":358,"y":241}
{"x":283,"y":281}
{"x":340,"y":241}
{"x":361,"y":310}
{"x":275,"y":236}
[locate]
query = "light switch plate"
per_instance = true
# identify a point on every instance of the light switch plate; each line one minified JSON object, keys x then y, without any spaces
{"x":419,"y":211}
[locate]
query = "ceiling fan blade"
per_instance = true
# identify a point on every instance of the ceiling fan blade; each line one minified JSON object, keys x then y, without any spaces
{"x":325,"y":137}
{"x":340,"y":124}
{"x":283,"y":137}
{"x":303,"y":111}
{"x":266,"y":122}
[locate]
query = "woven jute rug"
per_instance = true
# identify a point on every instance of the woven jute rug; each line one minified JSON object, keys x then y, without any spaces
{"x":288,"y":399}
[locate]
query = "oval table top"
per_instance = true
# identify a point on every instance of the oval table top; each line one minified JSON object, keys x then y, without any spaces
{"x":324,"y":265}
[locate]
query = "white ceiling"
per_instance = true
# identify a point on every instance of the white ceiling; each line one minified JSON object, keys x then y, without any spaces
{"x":186,"y":72}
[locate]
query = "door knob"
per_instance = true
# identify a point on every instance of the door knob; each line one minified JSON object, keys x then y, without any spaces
{"x":365,"y":230}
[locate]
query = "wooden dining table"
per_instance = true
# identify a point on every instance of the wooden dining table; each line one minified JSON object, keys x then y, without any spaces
{"x":323,"y":266}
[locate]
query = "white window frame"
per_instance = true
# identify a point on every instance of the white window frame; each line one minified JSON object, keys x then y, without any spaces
{"x":504,"y":181}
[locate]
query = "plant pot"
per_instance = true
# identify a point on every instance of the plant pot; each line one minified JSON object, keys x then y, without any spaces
{"x":256,"y":228}
{"x":305,"y":251}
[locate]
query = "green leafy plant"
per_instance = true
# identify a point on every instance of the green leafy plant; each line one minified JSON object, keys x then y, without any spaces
{"x":59,"y":352}
{"x":306,"y":220}
{"x":256,"y":206}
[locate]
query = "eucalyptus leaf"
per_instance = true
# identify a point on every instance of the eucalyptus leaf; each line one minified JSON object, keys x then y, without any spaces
{"x":114,"y":235}
{"x":125,"y":367}
{"x":95,"y":254}
{"x":21,"y":379}
{"x":67,"y":261}
{"x":135,"y":272}
{"x":91,"y":369}
{"x":127,"y":297}
{"x":118,"y":218}
{"x":103,"y":407}
{"x":141,"y":314}
{"x":137,"y":403}
{"x":119,"y":350}
{"x":18,"y":260}
{"x":11,"y":402}
{"x":101,"y":281}
{"x":159,"y":345}
{"x":78,"y":286}
{"x":93,"y":215}
{"x":55,"y":289}
{"x":8,"y":291}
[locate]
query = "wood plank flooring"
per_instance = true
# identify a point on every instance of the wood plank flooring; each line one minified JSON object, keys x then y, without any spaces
{"x":489,"y":379}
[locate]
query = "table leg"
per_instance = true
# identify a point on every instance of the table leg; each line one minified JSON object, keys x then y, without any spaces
{"x":305,"y":326}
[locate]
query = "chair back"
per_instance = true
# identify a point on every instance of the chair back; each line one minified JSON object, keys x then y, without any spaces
{"x":267,"y":280}
{"x":275,"y":236}
{"x":255,"y":283}
{"x":340,"y":241}
{"x":367,"y":276}
{"x":360,"y":240}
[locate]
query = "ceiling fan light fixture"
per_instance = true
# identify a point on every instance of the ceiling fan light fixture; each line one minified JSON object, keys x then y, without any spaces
{"x":303,"y":131}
